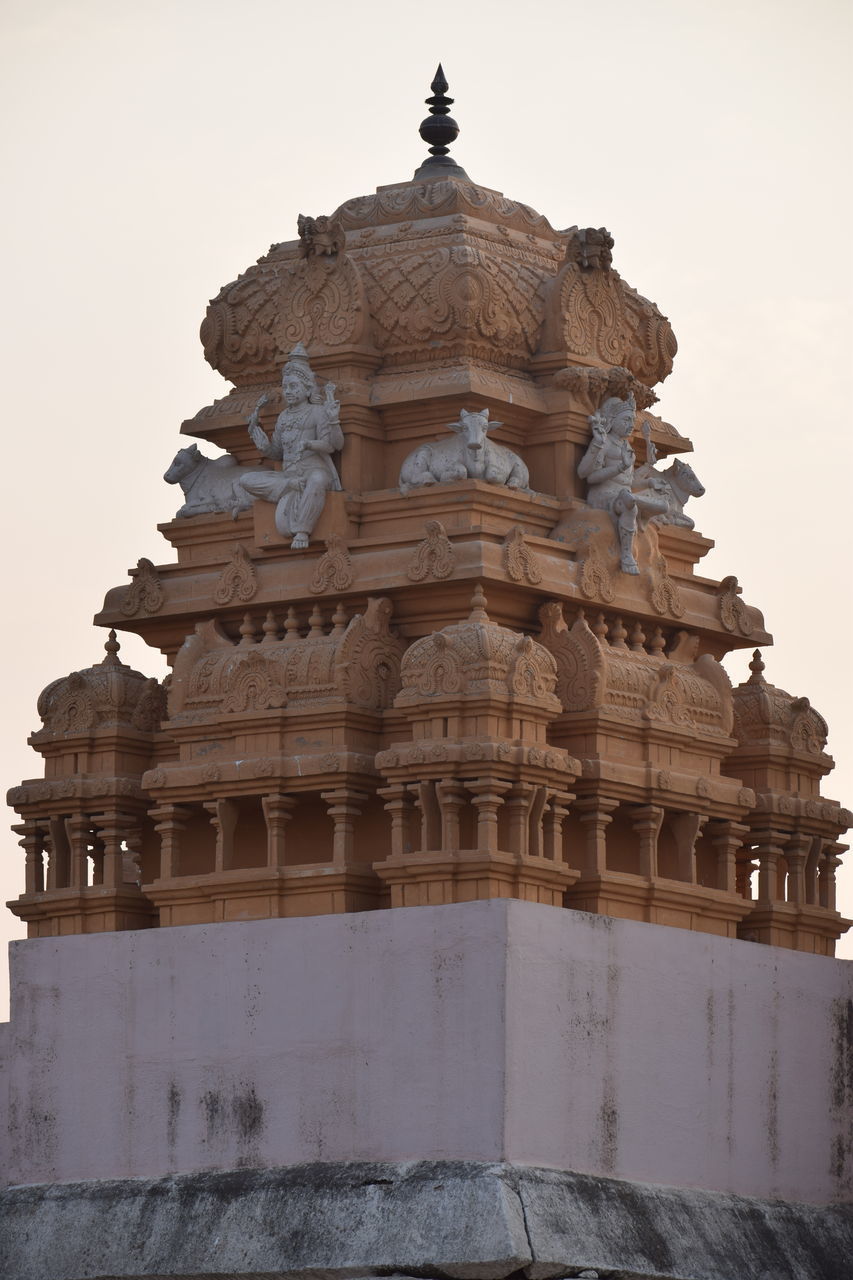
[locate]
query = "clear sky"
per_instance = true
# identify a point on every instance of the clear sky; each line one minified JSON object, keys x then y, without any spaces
{"x":152,"y":152}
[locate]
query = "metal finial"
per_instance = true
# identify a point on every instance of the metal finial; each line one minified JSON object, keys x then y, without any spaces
{"x":438,"y":131}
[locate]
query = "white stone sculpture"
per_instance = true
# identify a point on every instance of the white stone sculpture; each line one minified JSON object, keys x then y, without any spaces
{"x":208,"y":484}
{"x":634,"y":496}
{"x":304,"y":437}
{"x":470,"y":456}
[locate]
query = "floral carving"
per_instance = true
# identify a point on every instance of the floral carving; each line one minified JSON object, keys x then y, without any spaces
{"x":145,"y":592}
{"x":368,"y":662}
{"x":595,"y":580}
{"x":734,"y":614}
{"x":238,"y":578}
{"x":321,"y":303}
{"x":666,"y":599}
{"x":254,"y":685}
{"x":434,"y":557}
{"x":578,"y":655}
{"x":519,"y":561}
{"x":334,"y":568}
{"x":592,"y":385}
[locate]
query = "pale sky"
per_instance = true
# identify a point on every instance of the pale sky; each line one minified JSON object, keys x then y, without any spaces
{"x":152,"y":152}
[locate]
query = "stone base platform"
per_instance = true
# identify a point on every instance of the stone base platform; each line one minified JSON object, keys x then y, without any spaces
{"x":436,"y":1220}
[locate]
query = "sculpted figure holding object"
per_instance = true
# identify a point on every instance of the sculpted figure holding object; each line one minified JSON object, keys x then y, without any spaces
{"x":608,"y":468}
{"x":305,"y":436}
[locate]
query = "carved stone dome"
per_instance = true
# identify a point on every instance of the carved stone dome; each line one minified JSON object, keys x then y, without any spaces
{"x":109,"y":695}
{"x":436,"y":271}
{"x":478,"y":659}
{"x":765,"y":715}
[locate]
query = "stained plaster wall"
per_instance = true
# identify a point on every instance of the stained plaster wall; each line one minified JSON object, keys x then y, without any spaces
{"x":484,"y":1031}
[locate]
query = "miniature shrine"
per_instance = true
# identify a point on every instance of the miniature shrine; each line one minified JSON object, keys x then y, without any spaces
{"x":435,"y":626}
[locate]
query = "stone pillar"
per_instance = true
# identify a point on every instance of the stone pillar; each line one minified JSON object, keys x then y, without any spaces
{"x":32,"y":843}
{"x":169,"y":822}
{"x":830,"y":861}
{"x":223,"y":819}
{"x":79,"y":828}
{"x":769,"y":844}
{"x":58,"y":868}
{"x":452,"y":798}
{"x":534,"y":821}
{"x":487,"y":794}
{"x":132,"y":860}
{"x":647,"y":820}
{"x":278,"y":810}
{"x":555,"y":815}
{"x":427,"y":802}
{"x":398,"y":803}
{"x":595,"y":813}
{"x":344,"y":806}
{"x":687,"y":828}
{"x":727,"y":837}
{"x":796,"y":852}
{"x":520,"y":815}
{"x":110,"y":828}
{"x":811,"y":873}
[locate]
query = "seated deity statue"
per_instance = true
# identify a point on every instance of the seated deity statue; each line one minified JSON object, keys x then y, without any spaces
{"x":304,"y":437}
{"x":632,"y":498}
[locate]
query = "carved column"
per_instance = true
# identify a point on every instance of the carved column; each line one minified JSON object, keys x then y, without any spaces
{"x":830,"y":861}
{"x":398,"y":803}
{"x":79,"y":827}
{"x":278,"y":810}
{"x":169,"y":821}
{"x":32,"y":843}
{"x":769,"y":844}
{"x":344,"y":806}
{"x":223,"y":819}
{"x":58,"y":867}
{"x":796,"y":852}
{"x":555,"y":815}
{"x":110,"y":828}
{"x":452,"y":798}
{"x":595,"y":814}
{"x":534,"y":821}
{"x":488,"y":794}
{"x":97,"y":855}
{"x":518,"y":804}
{"x":132,"y":859}
{"x":427,"y":802}
{"x":727,"y":837}
{"x":647,"y":820}
{"x":686,"y":828}
{"x":812,"y":865}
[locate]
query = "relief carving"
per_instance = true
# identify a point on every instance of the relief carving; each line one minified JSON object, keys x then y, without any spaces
{"x":434,"y":557}
{"x":238,"y":578}
{"x":519,"y":561}
{"x":145,"y":593}
{"x":578,"y":655}
{"x":734,"y":614}
{"x":334,"y":568}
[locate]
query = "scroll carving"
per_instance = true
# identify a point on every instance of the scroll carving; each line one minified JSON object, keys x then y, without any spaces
{"x":519,"y":561}
{"x":434,"y":557}
{"x":145,"y":593}
{"x":334,"y":568}
{"x":238,"y":578}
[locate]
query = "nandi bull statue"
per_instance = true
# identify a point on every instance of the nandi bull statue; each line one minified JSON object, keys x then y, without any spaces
{"x":634,"y":496}
{"x":208,"y":484}
{"x":471,"y":455}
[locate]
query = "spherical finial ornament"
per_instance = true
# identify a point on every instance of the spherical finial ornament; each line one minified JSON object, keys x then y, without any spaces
{"x":756,"y":667}
{"x":112,"y":647}
{"x":478,"y":605}
{"x":438,"y":131}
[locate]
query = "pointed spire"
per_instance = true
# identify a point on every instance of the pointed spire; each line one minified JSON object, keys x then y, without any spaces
{"x":438,"y":131}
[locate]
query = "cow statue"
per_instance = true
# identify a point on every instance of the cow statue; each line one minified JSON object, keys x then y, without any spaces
{"x":470,"y":456}
{"x":681,"y":483}
{"x":209,"y":484}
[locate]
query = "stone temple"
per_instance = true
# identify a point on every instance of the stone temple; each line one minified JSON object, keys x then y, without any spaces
{"x":437,"y":641}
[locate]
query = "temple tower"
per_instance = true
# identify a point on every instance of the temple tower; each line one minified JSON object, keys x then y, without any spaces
{"x":446,"y":911}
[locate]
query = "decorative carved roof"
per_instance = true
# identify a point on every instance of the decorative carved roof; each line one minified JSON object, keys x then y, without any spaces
{"x":767,"y":716}
{"x":438,"y":270}
{"x":478,"y":659}
{"x":639,"y":687}
{"x":109,"y":695}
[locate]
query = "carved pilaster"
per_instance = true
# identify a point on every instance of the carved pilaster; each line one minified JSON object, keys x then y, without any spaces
{"x":278,"y":810}
{"x":110,"y":828}
{"x":518,"y":803}
{"x":552,"y":836}
{"x":398,"y":803}
{"x":344,"y":806}
{"x":829,"y":863}
{"x":488,"y":796}
{"x":727,"y":837}
{"x":769,"y":845}
{"x":223,"y":819}
{"x":595,"y":813}
{"x":647,"y":820}
{"x":32,"y":842}
{"x":79,"y":830}
{"x":796,"y":852}
{"x":452,"y":799}
{"x":169,"y":821}
{"x":427,"y":802}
